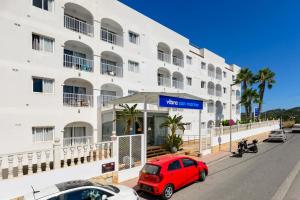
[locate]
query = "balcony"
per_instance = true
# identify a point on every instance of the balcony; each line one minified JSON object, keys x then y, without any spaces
{"x":211,"y":71}
{"x":177,"y":84}
{"x":111,"y":70}
{"x":164,"y":81}
{"x":178,"y":61}
{"x":111,"y":37}
{"x":105,"y":99}
{"x":78,"y":100}
{"x":177,"y":80}
{"x":163,"y":56}
{"x":219,"y":73}
{"x":163,"y":52}
{"x":218,"y":90}
{"x":78,"y":63}
{"x":73,"y":141}
{"x":78,"y":26}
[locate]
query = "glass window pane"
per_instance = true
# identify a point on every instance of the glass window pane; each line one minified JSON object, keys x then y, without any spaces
{"x":38,"y":3}
{"x":37,"y":85}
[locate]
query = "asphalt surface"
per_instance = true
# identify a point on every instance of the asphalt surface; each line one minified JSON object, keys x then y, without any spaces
{"x":253,"y":177}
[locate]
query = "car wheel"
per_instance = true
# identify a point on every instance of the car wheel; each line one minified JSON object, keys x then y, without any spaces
{"x":168,"y":192}
{"x":202,"y":176}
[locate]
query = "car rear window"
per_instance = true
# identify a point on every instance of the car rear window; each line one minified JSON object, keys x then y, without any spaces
{"x":151,"y":169}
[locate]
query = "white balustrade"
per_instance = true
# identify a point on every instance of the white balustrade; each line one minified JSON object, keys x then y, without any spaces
{"x":78,"y":25}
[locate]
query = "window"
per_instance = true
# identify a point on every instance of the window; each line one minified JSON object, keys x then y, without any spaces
{"x":224,"y":105}
{"x":203,"y":125}
{"x":203,"y":84}
{"x":174,"y":165}
{"x":44,"y":4}
{"x":188,"y":126}
{"x":189,"y":60}
{"x":203,"y":65}
{"x":42,"y":134}
{"x":42,"y":43}
{"x":131,"y":92}
{"x":134,"y":37}
{"x":42,"y":85}
{"x":84,"y":194}
{"x":233,"y":77}
{"x":232,"y":92}
{"x":189,"y":80}
{"x":133,"y":66}
{"x":224,"y":90}
{"x":188,"y":162}
{"x":224,"y":74}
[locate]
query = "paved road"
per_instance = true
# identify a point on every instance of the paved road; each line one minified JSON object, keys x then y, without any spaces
{"x":253,"y":177}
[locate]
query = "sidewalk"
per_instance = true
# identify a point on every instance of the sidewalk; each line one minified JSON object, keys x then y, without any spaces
{"x":209,"y":159}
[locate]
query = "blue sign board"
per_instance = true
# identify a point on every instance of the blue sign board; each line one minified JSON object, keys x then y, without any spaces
{"x":256,"y":112}
{"x":176,"y":102}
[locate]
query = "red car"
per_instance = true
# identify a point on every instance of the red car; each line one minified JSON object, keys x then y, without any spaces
{"x":164,"y":175}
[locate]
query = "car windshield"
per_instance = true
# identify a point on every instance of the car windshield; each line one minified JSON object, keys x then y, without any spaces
{"x":151,"y":169}
{"x":276,"y":132}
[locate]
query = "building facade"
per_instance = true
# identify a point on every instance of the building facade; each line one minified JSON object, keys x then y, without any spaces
{"x":62,"y":61}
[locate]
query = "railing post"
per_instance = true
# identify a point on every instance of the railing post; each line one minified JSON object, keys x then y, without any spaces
{"x":47,"y":153}
{"x":30,"y":169}
{"x":10,"y":166}
{"x":20,"y":165}
{"x":115,"y":151}
{"x":38,"y":164}
{"x":56,"y":153}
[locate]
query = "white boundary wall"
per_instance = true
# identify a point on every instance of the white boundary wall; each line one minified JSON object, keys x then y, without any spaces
{"x":12,"y":188}
{"x":242,"y":134}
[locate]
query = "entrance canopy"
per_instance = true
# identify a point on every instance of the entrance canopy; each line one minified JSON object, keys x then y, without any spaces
{"x":152,"y":97}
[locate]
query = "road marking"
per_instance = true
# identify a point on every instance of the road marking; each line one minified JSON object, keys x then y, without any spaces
{"x":285,"y":186}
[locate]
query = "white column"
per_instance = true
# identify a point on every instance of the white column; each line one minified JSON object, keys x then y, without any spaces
{"x":145,"y":128}
{"x":200,"y":142}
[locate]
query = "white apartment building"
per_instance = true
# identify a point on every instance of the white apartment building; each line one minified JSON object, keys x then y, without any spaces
{"x":62,"y":61}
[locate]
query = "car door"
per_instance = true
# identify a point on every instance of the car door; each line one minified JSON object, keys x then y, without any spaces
{"x":190,"y":169}
{"x":175,"y":174}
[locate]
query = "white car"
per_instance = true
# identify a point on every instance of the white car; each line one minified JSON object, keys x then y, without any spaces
{"x":83,"y":190}
{"x":296,"y":128}
{"x":277,"y":135}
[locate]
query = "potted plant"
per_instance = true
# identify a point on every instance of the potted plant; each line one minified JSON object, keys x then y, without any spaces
{"x":174,"y":141}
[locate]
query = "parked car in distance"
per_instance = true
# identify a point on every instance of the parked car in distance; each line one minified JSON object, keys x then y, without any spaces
{"x":296,"y":128}
{"x":277,"y":135}
{"x":166,"y":174}
{"x":83,"y":190}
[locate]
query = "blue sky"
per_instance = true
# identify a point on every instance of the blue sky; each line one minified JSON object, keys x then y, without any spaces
{"x":249,"y":33}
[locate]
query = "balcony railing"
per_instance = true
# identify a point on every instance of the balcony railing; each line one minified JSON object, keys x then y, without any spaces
{"x":78,"y":63}
{"x":111,"y":70}
{"x":111,"y":37}
{"x":78,"y":100}
{"x":78,"y":26}
{"x":211,"y":91}
{"x":218,"y":76}
{"x":72,"y":141}
{"x":178,"y":61}
{"x":105,"y":99}
{"x":163,"y":56}
{"x":177,"y":84}
{"x":218,"y":93}
{"x":164,"y":81}
{"x":211,"y":74}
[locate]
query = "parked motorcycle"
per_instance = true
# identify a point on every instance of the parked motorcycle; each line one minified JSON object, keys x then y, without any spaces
{"x":252,"y":147}
{"x":240,"y":150}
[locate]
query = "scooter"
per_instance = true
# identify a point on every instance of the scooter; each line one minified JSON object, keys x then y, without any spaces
{"x":240,"y":150}
{"x":252,"y":147}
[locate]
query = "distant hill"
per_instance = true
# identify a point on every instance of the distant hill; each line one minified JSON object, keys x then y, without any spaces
{"x":287,"y":114}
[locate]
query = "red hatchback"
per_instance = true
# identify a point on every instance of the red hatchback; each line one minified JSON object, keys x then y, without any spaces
{"x":164,"y":175}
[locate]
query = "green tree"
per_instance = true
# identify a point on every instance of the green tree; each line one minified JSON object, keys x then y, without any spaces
{"x":249,"y":97}
{"x":245,"y":77}
{"x":264,"y":77}
{"x":174,"y":123}
{"x":129,"y":115}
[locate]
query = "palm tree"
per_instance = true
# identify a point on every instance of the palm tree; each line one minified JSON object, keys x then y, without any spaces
{"x":245,"y":77}
{"x":129,"y":115}
{"x":174,"y":123}
{"x":249,"y":97}
{"x":265,"y":77}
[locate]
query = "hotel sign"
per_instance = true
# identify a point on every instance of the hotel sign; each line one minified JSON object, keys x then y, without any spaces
{"x":176,"y":102}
